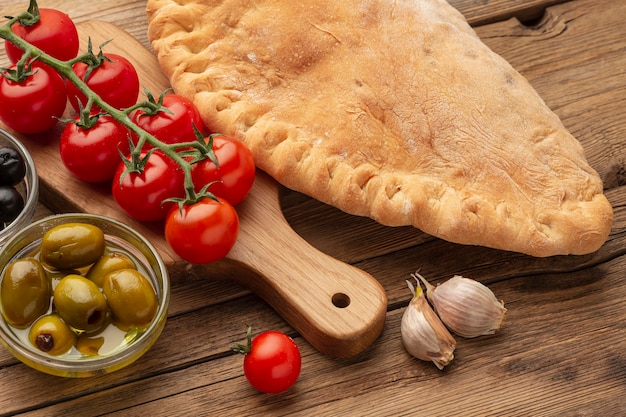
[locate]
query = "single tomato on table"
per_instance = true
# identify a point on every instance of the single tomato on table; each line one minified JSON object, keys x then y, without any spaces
{"x":50,"y":30}
{"x":91,"y":152}
{"x":234,"y":175}
{"x":202,"y":232}
{"x":31,"y":101}
{"x":142,"y":194}
{"x":272,"y":361}
{"x":172,"y":123}
{"x":114,"y":79}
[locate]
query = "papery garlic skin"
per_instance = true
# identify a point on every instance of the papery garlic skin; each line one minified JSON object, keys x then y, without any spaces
{"x":467,"y":307}
{"x":424,"y":336}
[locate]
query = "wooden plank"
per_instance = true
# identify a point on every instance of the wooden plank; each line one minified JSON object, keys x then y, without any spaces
{"x":483,"y":12}
{"x":571,"y":367}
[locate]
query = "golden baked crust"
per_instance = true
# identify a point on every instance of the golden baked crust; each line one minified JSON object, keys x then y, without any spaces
{"x":389,"y":109}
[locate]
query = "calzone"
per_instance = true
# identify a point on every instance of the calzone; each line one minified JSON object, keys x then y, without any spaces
{"x":389,"y":109}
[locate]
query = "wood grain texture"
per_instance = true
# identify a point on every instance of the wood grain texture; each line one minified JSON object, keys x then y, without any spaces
{"x":480,"y":13}
{"x":561,"y":352}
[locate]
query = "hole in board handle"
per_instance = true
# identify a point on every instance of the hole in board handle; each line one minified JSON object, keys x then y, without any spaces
{"x":341,"y":300}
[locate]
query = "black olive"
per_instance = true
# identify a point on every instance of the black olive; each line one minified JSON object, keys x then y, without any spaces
{"x":12,"y":167}
{"x":11,"y":203}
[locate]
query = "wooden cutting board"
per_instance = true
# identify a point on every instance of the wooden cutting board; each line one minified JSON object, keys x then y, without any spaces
{"x":338,"y":308}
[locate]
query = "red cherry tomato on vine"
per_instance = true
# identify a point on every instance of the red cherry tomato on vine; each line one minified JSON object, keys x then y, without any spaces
{"x":54,"y":33}
{"x":235,"y":174}
{"x":174,"y":127}
{"x":34,"y":104}
{"x":202,"y":232}
{"x":91,"y":154}
{"x":272,"y":363}
{"x":141,"y":195}
{"x":115,"y":81}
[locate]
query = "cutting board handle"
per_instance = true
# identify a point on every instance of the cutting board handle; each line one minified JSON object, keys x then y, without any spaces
{"x":338,"y":308}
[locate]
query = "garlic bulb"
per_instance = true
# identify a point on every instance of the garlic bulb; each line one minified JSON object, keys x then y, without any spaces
{"x":466,"y":306}
{"x":424,"y":336}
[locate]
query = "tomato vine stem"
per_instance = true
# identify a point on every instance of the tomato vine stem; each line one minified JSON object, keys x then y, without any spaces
{"x":31,"y":53}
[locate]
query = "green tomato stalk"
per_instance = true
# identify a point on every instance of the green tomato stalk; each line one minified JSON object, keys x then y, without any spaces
{"x":201,"y":148}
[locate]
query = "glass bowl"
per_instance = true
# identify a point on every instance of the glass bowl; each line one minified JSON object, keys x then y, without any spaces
{"x":29,"y":188}
{"x":128,"y":345}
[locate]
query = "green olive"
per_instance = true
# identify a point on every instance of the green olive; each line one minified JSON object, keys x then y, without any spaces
{"x":80,"y":303}
{"x":25,"y":292}
{"x":50,"y":334}
{"x":72,"y":245}
{"x":131,"y":298}
{"x":109,"y":262}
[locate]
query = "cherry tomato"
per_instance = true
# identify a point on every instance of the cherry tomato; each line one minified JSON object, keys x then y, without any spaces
{"x":202,"y":232}
{"x":54,"y":33}
{"x":34,"y":104}
{"x":91,"y":154}
{"x":272,"y":363}
{"x":235,"y":172}
{"x":141,"y":195}
{"x":115,"y":80}
{"x":174,"y":127}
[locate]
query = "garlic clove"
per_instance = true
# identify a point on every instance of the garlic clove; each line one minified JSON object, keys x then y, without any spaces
{"x":467,"y":307}
{"x":424,"y":336}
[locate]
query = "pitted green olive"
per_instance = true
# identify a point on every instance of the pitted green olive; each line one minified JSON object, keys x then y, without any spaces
{"x":80,"y":303}
{"x":50,"y":334}
{"x":25,"y":292}
{"x":72,"y":245}
{"x":131,"y":298}
{"x":109,"y":262}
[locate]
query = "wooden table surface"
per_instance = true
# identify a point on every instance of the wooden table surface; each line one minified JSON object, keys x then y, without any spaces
{"x":561,"y":351}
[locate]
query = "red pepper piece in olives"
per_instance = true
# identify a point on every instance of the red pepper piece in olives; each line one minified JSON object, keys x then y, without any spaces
{"x":132,"y":299}
{"x":72,"y":245}
{"x":51,"y":335}
{"x":80,"y":303}
{"x":25,"y":292}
